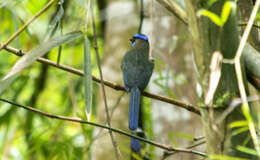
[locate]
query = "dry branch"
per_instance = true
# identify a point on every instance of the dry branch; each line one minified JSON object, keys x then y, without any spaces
{"x":187,"y":106}
{"x":78,"y":120}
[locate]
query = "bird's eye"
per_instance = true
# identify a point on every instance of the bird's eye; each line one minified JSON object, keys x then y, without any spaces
{"x":132,"y":40}
{"x":133,"y":43}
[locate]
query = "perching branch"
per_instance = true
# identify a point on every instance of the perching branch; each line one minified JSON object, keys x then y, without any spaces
{"x":187,"y":106}
{"x":27,"y":24}
{"x":78,"y":120}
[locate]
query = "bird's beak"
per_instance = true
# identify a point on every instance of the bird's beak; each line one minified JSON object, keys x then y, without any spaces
{"x":131,"y":39}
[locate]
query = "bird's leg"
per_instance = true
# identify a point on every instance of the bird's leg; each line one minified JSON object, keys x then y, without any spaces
{"x":127,"y":89}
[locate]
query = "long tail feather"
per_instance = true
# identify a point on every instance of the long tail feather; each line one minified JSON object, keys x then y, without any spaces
{"x":135,"y":145}
{"x":134,"y":108}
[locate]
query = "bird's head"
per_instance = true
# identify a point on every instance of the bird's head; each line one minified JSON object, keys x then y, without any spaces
{"x":137,"y":38}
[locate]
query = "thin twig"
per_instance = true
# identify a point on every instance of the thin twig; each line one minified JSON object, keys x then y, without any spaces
{"x":151,"y":32}
{"x":60,"y":47}
{"x":233,"y":104}
{"x":27,"y":24}
{"x":175,"y":9}
{"x":195,"y":145}
{"x":116,"y":104}
{"x":141,"y":16}
{"x":245,"y":106}
{"x":102,"y":83}
{"x":198,"y":138}
{"x":168,"y":154}
{"x":100,"y":132}
{"x":244,"y":24}
{"x":187,"y":106}
{"x":78,"y":120}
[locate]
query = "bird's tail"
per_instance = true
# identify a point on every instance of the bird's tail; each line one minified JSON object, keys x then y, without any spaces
{"x":134,"y":106}
{"x":135,"y":145}
{"x":135,"y":97}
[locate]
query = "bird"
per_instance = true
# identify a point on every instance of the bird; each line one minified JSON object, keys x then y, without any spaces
{"x":137,"y":70}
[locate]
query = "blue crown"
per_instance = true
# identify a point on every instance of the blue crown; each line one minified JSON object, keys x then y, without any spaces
{"x":140,"y":36}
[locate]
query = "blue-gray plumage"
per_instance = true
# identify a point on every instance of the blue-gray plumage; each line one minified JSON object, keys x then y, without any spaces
{"x":137,"y":70}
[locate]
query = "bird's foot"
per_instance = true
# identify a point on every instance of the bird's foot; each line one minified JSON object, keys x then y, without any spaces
{"x":127,"y":89}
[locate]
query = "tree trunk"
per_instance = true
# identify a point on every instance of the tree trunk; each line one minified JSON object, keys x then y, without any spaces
{"x":207,"y":37}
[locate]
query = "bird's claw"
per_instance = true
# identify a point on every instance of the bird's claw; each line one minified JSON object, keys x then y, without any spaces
{"x":127,"y":89}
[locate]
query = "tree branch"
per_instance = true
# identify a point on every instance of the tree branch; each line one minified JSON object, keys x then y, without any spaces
{"x":168,"y":154}
{"x":113,"y":85}
{"x":78,"y":120}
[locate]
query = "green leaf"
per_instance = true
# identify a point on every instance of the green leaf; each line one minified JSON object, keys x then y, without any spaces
{"x":220,"y":21}
{"x":55,"y":21}
{"x":32,"y":56}
{"x":87,"y":78}
{"x":238,"y":124}
{"x":223,"y":157}
{"x":239,"y":130}
{"x":212,"y":16}
{"x":247,"y":150}
{"x":173,"y":140}
{"x":158,"y":64}
{"x":246,"y":113}
{"x":257,"y":16}
{"x":226,"y":11}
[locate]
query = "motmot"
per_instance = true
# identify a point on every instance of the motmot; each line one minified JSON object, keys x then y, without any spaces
{"x":137,"y":70}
